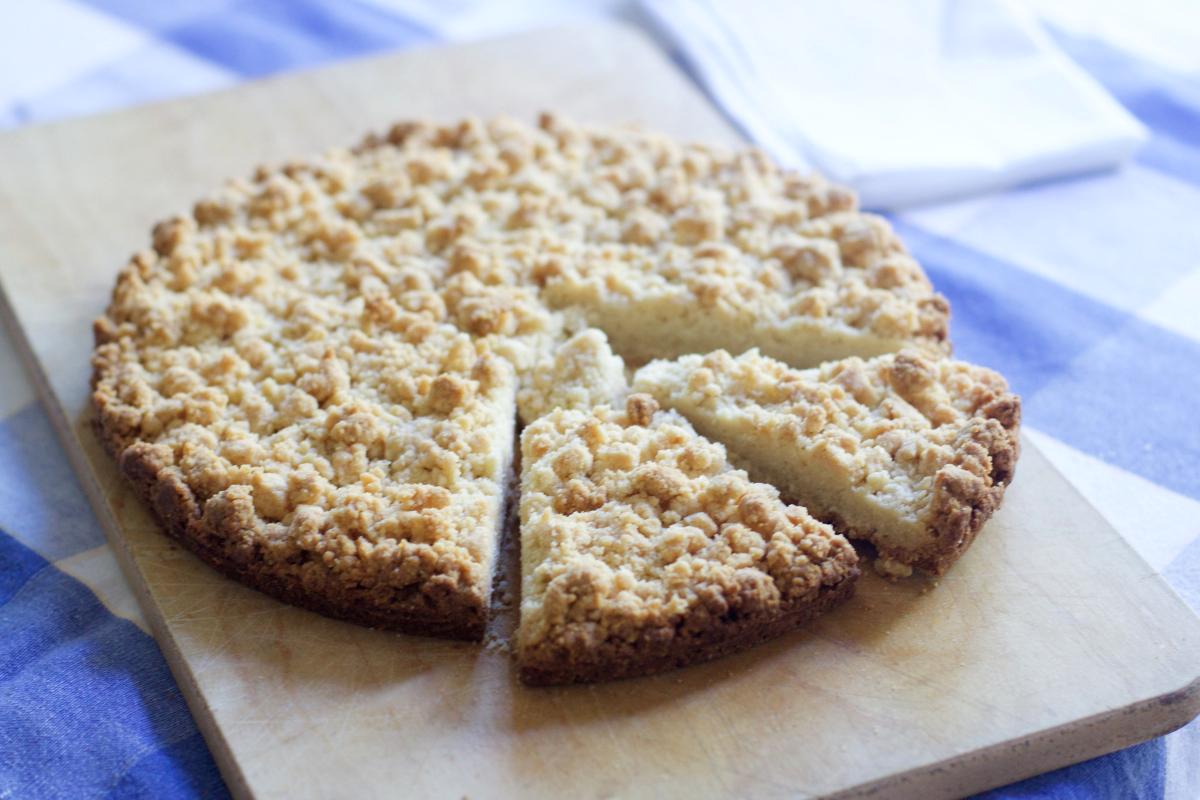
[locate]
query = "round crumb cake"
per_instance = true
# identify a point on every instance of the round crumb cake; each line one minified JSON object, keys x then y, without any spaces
{"x":313,"y":380}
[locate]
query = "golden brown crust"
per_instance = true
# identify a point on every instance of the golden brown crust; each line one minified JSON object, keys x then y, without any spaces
{"x":969,"y":491}
{"x":304,"y":429}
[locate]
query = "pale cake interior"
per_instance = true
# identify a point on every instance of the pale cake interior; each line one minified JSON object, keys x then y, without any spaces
{"x":824,"y":289}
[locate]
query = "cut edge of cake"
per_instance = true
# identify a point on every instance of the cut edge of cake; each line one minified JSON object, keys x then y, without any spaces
{"x":828,"y":288}
{"x":643,"y":330}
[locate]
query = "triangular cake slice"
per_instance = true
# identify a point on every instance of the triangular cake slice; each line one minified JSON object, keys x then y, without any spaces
{"x":642,"y":550}
{"x":911,"y":453}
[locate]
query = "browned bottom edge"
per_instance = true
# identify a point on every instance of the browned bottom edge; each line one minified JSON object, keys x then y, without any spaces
{"x":408,"y":616}
{"x":683,"y":651}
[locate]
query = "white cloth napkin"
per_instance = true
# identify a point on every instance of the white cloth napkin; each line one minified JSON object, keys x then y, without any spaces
{"x":906,"y":101}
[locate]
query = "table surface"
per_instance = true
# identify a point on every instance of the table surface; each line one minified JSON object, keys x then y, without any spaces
{"x":1100,"y":340}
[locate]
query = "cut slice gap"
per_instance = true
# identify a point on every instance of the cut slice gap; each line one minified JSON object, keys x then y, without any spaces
{"x":501,"y":631}
{"x":642,"y":550}
{"x":909,"y":452}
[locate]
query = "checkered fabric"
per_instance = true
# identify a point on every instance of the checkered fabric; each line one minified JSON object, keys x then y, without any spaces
{"x":1083,"y":292}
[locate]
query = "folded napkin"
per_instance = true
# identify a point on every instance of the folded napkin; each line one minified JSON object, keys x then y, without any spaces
{"x":906,"y":101}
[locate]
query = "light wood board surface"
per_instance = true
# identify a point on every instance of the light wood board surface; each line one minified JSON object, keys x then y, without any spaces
{"x":1050,"y":642}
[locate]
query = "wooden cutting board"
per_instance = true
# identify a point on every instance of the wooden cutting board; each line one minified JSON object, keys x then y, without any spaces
{"x":1050,"y":642}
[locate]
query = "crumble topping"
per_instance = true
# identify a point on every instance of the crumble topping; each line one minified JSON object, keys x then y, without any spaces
{"x":263,"y":355}
{"x":316,"y":371}
{"x":581,"y":374}
{"x":890,"y":425}
{"x":631,"y":521}
{"x":492,"y":215}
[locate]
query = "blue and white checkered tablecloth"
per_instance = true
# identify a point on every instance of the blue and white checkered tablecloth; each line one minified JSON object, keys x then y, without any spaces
{"x":1085,"y":293}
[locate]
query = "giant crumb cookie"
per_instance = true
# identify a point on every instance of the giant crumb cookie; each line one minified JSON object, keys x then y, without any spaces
{"x":311,"y":380}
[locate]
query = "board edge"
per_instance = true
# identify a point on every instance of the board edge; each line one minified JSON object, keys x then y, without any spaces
{"x":1066,"y":744}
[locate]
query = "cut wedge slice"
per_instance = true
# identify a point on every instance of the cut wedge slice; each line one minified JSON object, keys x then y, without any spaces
{"x":911,"y":453}
{"x":642,"y":550}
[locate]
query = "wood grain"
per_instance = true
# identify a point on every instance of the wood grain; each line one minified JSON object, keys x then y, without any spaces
{"x":1050,"y":642}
